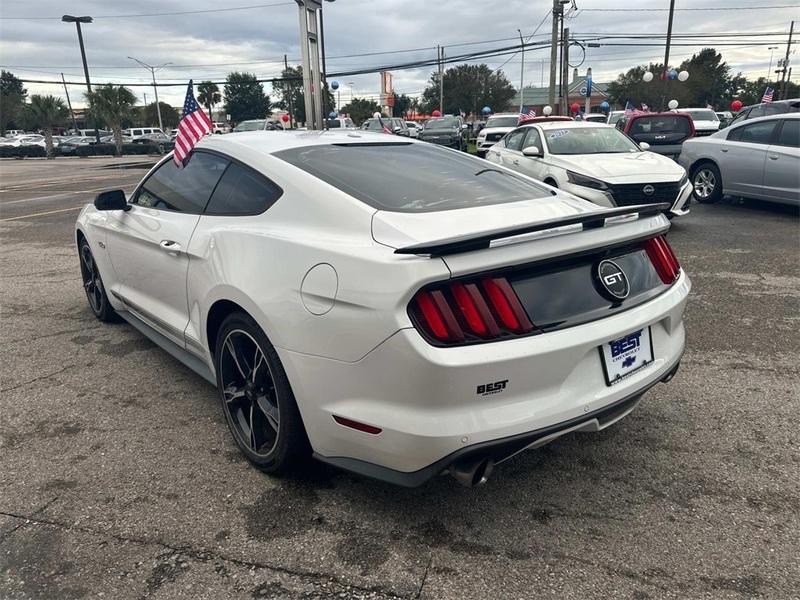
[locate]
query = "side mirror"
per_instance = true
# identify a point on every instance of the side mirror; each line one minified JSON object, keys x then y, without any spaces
{"x":532,"y":151}
{"x":113,"y":200}
{"x":644,"y":145}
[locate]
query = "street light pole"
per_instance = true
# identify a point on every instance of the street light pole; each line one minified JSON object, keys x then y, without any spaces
{"x":521,"y":73}
{"x":153,"y":70}
{"x":769,"y":71}
{"x":78,"y":21}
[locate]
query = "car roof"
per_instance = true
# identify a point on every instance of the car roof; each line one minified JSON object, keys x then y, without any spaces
{"x":269,"y":142}
{"x":792,"y":115}
{"x":567,"y":124}
{"x":503,"y":115}
{"x":787,"y":101}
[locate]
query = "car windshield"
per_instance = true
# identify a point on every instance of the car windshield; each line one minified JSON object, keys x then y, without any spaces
{"x":426,"y":177}
{"x":442,"y":123}
{"x":502,"y":121}
{"x":702,"y":114}
{"x":614,"y":117}
{"x":588,"y":140}
{"x":375,"y":124}
{"x":249,"y":126}
{"x":660,"y":124}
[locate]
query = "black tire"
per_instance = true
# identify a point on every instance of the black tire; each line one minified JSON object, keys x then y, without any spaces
{"x":706,"y":183}
{"x":93,"y":285}
{"x":263,"y":398}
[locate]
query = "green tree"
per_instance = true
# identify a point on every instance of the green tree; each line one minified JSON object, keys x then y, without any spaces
{"x":245,"y":98}
{"x":113,"y":105}
{"x":291,"y":94}
{"x":12,"y":101}
{"x":208,"y":95}
{"x":402,"y":104}
{"x":469,"y":88}
{"x":169,"y":115}
{"x":360,"y":110}
{"x":48,"y":111}
{"x":630,"y":87}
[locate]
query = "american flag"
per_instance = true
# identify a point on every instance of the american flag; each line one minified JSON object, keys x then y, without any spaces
{"x":768,"y":94}
{"x":524,"y":116}
{"x":384,"y":126}
{"x":193,"y":126}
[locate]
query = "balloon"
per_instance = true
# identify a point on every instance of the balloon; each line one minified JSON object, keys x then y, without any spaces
{"x":436,"y":113}
{"x":605,"y":106}
{"x":673,"y":104}
{"x":486,"y":110}
{"x":377,"y":115}
{"x":736,"y":105}
{"x":683,"y":75}
{"x":285,"y":118}
{"x":332,"y":114}
{"x":575,"y":107}
{"x":547,"y":111}
{"x":334,"y":85}
{"x":673,"y":74}
{"x":647,"y":77}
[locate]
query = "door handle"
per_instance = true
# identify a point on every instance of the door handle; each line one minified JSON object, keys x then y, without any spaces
{"x":170,"y":246}
{"x":723,"y":149}
{"x":773,"y":157}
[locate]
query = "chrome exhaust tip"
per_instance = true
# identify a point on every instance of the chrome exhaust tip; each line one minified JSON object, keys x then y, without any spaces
{"x":472,"y":472}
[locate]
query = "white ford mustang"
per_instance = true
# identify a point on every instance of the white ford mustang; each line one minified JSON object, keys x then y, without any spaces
{"x":399,"y":309}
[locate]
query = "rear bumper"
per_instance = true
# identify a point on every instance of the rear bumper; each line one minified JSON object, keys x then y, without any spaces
{"x":425,"y":401}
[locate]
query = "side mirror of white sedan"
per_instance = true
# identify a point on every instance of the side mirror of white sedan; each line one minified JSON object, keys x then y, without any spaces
{"x":644,"y":145}
{"x":532,"y":151}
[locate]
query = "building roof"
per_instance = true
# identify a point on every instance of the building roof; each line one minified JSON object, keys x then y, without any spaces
{"x":536,"y":96}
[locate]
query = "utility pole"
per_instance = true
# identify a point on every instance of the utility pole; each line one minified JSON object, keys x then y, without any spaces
{"x":289,"y":92}
{"x":71,"y":113}
{"x":521,"y":73}
{"x":769,"y":70}
{"x":666,"y":53}
{"x":558,"y":11}
{"x":309,"y":46}
{"x":786,"y":62}
{"x":565,"y":72}
{"x":440,"y":52}
{"x":153,"y":70}
{"x":588,"y":107}
{"x":78,"y":21}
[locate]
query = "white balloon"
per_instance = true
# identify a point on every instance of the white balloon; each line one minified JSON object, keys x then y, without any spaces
{"x":647,"y":77}
{"x":673,"y":104}
{"x":377,"y":115}
{"x":683,"y":75}
{"x":547,"y":111}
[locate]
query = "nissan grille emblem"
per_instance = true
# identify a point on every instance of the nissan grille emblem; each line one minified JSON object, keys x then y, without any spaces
{"x":648,"y":190}
{"x":613,"y":280}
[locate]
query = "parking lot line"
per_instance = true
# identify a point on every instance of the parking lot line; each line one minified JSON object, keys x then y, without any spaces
{"x":39,"y":214}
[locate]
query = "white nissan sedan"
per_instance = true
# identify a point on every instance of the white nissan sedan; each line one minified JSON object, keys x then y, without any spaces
{"x":396,"y":308}
{"x":596,"y":162}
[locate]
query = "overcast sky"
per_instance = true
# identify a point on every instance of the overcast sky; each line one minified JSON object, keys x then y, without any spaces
{"x":216,"y":43}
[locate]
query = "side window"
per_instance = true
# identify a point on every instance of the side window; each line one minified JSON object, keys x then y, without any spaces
{"x":242,"y":192}
{"x":790,"y":134}
{"x":514,"y":140}
{"x":755,"y":133}
{"x":185,"y":190}
{"x":533,"y":139}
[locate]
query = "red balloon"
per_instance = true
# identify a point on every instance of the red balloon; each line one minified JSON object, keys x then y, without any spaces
{"x":436,"y":113}
{"x":575,"y":107}
{"x":736,"y":105}
{"x":285,"y":118}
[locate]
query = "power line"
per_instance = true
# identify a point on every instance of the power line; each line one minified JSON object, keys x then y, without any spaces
{"x":707,"y":8}
{"x":161,"y":14}
{"x":546,"y":14}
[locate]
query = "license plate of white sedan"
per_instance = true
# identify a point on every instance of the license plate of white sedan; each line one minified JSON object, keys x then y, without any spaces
{"x":626,"y":355}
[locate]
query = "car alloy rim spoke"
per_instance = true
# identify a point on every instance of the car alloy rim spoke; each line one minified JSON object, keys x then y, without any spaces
{"x":229,"y":345}
{"x":270,"y":411}
{"x":233,"y":393}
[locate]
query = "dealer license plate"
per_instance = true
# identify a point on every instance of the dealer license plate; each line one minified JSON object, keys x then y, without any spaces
{"x":626,"y":355}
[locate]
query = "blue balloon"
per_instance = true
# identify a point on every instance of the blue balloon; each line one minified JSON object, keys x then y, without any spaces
{"x":486,"y":110}
{"x":673,"y":74}
{"x":604,"y":105}
{"x":332,"y":114}
{"x":334,"y":85}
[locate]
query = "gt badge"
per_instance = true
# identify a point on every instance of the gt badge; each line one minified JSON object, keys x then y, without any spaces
{"x":613,"y":281}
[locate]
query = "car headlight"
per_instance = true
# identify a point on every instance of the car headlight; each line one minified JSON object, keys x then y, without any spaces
{"x":683,"y":180}
{"x":586,"y":181}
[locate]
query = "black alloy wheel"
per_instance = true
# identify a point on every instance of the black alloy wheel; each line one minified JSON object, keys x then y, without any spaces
{"x":256,"y":397}
{"x":93,"y":285}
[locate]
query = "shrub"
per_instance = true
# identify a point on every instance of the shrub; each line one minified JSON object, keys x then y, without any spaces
{"x":111,"y":149}
{"x":23,"y":151}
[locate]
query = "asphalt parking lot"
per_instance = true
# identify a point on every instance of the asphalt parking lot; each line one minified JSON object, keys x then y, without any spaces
{"x":119,"y":478}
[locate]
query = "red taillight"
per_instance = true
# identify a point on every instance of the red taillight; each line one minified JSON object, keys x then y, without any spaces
{"x":486,"y":311}
{"x":663,"y":259}
{"x":357,"y":425}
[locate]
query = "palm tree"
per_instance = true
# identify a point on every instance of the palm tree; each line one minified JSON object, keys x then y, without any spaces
{"x":208,"y":95}
{"x":112,"y":104}
{"x":47,"y":111}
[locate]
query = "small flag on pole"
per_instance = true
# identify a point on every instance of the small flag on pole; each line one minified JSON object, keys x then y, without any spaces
{"x":193,"y":126}
{"x":526,"y":115}
{"x":768,"y":94}
{"x":645,"y":108}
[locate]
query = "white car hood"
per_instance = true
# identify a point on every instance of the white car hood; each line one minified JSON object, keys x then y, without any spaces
{"x":488,"y":130}
{"x":629,"y":167}
{"x":397,"y":229}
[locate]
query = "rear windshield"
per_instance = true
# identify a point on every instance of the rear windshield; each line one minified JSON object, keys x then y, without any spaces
{"x":411,"y":177}
{"x":702,"y":114}
{"x":660,"y":124}
{"x":502,"y":121}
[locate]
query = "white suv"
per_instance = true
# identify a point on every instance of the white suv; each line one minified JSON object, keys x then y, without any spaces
{"x":496,"y":127}
{"x":135,"y":133}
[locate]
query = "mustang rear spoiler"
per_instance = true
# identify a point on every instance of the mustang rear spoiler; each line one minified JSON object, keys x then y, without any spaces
{"x":483,"y":239}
